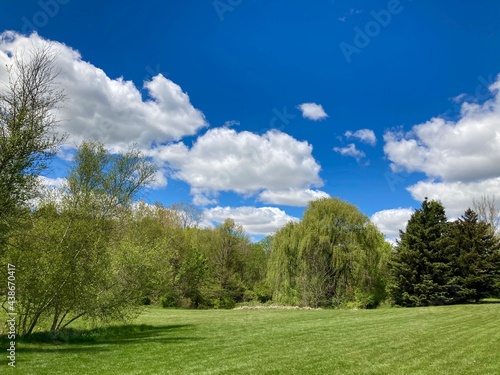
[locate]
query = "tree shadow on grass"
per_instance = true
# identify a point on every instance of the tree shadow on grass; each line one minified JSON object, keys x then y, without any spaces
{"x":74,"y":340}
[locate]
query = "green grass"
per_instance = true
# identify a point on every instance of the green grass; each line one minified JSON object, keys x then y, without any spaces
{"x":434,"y":340}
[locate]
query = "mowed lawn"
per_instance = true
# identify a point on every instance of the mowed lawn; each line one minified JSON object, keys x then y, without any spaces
{"x":434,"y":340}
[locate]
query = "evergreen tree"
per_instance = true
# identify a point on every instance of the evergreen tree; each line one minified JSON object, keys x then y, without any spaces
{"x":421,"y":271}
{"x":475,"y":251}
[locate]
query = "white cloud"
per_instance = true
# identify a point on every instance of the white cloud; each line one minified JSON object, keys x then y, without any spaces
{"x":246,"y":163}
{"x":230,"y":123}
{"x":461,"y":158}
{"x":160,"y":180}
{"x":203,"y":200}
{"x":312,"y":111}
{"x":459,"y":98}
{"x":465,"y":150}
{"x":49,"y":188}
{"x":456,"y":196}
{"x":257,"y":221}
{"x":66,"y":153}
{"x":390,"y":222}
{"x":291,"y":197}
{"x":364,"y":135}
{"x":110,"y":110}
{"x":350,"y":150}
{"x":51,"y":182}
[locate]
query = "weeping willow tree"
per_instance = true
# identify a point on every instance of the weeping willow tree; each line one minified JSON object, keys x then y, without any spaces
{"x":282,"y":267}
{"x":334,"y":256}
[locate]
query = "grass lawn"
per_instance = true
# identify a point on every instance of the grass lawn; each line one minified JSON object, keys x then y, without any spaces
{"x":434,"y":340}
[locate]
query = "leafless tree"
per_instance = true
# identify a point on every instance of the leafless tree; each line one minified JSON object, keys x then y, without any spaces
{"x":189,"y":215}
{"x":28,"y":128}
{"x":487,"y":210}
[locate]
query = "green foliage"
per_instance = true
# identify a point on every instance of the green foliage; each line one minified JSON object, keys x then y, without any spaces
{"x":420,"y":267}
{"x":475,"y":254}
{"x":181,"y":265}
{"x":28,"y":133}
{"x":324,"y":259}
{"x":65,"y":249}
{"x":282,"y":267}
{"x":436,"y":262}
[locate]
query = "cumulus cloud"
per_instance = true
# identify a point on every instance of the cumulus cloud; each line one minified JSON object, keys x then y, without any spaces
{"x":110,"y":110}
{"x":160,"y":179}
{"x":456,"y":196}
{"x":364,"y":135}
{"x":51,"y":182}
{"x":312,"y":111}
{"x":390,"y":222}
{"x":203,"y":200}
{"x":291,"y":197}
{"x":465,"y":150}
{"x":243,"y":162}
{"x":351,"y":151}
{"x":460,"y":158}
{"x":256,"y":221}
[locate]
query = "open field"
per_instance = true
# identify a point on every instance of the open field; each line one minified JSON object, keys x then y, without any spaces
{"x":434,"y":340}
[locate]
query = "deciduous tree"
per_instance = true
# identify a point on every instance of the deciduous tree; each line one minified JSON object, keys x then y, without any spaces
{"x":29,"y":134}
{"x":69,"y":270}
{"x":333,"y":256}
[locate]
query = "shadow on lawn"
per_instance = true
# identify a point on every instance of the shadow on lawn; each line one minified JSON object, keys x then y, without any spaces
{"x":73,"y":340}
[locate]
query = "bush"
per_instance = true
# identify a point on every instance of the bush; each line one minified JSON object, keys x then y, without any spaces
{"x":169,"y":300}
{"x":263,"y":292}
{"x":224,"y":302}
{"x":365,"y":300}
{"x":250,"y":296}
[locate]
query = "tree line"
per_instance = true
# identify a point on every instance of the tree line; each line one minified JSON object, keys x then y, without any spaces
{"x":89,"y":250}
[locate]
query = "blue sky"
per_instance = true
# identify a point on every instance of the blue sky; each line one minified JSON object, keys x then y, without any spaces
{"x":250,"y":108}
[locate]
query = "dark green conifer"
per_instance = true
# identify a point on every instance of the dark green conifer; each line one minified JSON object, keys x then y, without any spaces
{"x":475,"y":252}
{"x":420,"y":268}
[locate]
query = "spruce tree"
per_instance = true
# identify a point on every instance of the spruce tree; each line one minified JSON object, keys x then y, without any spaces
{"x":475,"y":252}
{"x":420,"y":268}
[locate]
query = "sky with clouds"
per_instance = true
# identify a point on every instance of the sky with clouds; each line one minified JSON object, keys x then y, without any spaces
{"x":252,"y":109}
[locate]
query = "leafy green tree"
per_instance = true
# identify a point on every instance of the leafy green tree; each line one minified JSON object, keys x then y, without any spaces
{"x":475,"y":253}
{"x":69,"y":270}
{"x":28,"y":132}
{"x":421,"y":269}
{"x":255,"y":264}
{"x":148,"y":249}
{"x":103,"y":183}
{"x":282,"y":267}
{"x":234,"y":267}
{"x":192,"y":278}
{"x":333,"y":256}
{"x":230,"y":243}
